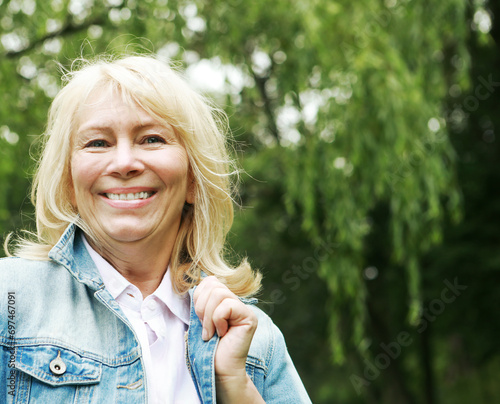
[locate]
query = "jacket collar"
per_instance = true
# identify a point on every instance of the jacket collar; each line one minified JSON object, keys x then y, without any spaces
{"x":71,"y":253}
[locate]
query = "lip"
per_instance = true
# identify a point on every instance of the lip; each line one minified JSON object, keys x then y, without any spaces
{"x":128,"y":190}
{"x":124,"y":204}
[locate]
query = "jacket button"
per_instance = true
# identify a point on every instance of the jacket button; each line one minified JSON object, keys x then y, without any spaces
{"x":57,"y":366}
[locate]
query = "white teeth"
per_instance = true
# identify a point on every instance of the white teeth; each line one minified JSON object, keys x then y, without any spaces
{"x":130,"y":196}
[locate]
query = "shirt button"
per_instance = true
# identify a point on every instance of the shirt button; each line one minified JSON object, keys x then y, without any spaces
{"x":152,"y":305}
{"x":57,"y":366}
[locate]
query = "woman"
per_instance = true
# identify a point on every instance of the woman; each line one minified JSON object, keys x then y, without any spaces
{"x":124,"y":297}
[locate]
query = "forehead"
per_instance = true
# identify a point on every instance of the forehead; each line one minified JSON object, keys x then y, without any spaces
{"x":109,"y":106}
{"x":107,"y":98}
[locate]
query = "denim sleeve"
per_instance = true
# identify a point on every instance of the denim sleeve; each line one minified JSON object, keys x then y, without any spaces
{"x":281,"y":382}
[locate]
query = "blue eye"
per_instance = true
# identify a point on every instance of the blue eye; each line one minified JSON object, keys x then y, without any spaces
{"x":96,"y":143}
{"x":154,"y":139}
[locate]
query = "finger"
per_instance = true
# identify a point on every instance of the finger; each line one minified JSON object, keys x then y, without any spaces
{"x":217,"y":296}
{"x":228,"y":313}
{"x":202,"y":294}
{"x":206,"y":283}
{"x":234,"y":313}
{"x":211,"y":293}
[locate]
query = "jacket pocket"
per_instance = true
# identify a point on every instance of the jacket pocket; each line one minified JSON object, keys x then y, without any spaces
{"x":57,"y":366}
{"x":52,"y":374}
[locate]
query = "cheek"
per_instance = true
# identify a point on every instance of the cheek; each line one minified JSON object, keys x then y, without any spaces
{"x":178,"y":178}
{"x":175,"y":172}
{"x":82,"y":177}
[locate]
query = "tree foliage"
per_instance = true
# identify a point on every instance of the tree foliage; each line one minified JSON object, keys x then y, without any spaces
{"x":342,"y":116}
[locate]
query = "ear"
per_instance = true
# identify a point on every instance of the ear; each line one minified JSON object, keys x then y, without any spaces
{"x":190,"y":189}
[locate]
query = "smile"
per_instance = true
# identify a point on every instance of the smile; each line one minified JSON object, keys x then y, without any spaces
{"x":130,"y":196}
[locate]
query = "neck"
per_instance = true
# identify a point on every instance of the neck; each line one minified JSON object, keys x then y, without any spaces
{"x":143,"y":263}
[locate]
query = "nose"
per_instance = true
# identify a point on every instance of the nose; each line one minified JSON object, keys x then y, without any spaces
{"x":125,"y":161}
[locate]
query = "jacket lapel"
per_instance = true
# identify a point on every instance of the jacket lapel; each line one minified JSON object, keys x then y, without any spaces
{"x":200,"y":357}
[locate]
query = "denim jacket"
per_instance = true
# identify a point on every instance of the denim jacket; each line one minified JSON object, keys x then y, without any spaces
{"x":64,"y":339}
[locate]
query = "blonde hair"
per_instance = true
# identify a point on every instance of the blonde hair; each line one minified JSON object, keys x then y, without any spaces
{"x":163,"y":93}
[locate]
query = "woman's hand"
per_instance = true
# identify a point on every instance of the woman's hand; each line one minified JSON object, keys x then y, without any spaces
{"x":220,"y":310}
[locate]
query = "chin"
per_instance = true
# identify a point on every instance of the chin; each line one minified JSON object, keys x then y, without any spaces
{"x":129,"y":236}
{"x":124,"y":234}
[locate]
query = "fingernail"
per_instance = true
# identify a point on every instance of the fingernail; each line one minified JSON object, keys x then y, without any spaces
{"x":204,"y":335}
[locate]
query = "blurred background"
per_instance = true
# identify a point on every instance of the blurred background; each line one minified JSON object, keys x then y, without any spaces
{"x":370,"y":194}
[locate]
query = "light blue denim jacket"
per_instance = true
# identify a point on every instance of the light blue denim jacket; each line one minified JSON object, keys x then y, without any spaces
{"x":64,"y":339}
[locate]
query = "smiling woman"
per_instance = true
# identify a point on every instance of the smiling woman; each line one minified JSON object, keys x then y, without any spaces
{"x":125,"y":296}
{"x":119,"y":151}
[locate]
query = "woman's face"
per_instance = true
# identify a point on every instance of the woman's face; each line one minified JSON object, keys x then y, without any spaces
{"x":129,"y":172}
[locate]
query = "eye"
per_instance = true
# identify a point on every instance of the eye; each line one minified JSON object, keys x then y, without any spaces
{"x":154,"y":139}
{"x":96,"y":143}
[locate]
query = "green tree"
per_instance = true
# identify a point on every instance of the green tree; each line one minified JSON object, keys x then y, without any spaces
{"x":342,"y":114}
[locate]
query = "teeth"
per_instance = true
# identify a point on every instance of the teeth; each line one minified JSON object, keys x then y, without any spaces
{"x":129,"y":197}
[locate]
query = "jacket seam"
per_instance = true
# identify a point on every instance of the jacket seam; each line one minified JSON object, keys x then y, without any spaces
{"x":270,"y":355}
{"x":33,"y":342}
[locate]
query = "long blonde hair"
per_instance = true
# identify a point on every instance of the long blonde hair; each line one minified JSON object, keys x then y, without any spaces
{"x":163,"y":93}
